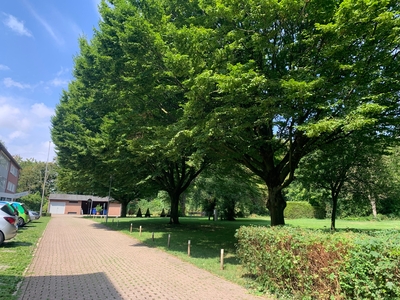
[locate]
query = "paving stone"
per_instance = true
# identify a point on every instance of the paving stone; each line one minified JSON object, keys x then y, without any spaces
{"x":80,"y":259}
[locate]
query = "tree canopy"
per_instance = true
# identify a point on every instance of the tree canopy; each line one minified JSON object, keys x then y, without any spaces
{"x":164,"y":86}
{"x":277,"y":80}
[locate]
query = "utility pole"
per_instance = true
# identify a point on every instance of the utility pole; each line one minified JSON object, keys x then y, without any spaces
{"x":44,"y":181}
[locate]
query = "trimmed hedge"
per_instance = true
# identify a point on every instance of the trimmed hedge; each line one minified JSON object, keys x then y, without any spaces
{"x":303,"y":263}
{"x":298,"y":210}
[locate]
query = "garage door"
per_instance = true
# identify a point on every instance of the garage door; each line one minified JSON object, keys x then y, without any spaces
{"x":57,"y":208}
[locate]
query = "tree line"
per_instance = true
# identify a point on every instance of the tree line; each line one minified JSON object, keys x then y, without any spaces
{"x":168,"y":89}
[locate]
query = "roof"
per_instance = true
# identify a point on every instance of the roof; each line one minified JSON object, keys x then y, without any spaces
{"x":72,"y":197}
{"x":5,"y":151}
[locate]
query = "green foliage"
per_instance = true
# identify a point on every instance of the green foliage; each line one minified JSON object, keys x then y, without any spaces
{"x":278,"y":80}
{"x":163,"y":86}
{"x":33,"y":201}
{"x":155,"y":206}
{"x":299,"y":210}
{"x":315,"y":264}
{"x":33,"y":175}
{"x":372,"y":267}
{"x":231,"y":189}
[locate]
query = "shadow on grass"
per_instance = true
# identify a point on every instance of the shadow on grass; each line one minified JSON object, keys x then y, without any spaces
{"x":207,"y":237}
{"x":7,"y":286}
{"x":13,"y":244}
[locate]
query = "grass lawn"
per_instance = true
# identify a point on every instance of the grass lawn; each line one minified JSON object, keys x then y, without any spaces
{"x":16,"y":255}
{"x":207,"y":238}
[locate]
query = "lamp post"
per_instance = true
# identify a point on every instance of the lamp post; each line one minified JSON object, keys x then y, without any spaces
{"x":109,"y":195}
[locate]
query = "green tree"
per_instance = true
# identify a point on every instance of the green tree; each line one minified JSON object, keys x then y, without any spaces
{"x":120,"y":115}
{"x":231,"y":189}
{"x":331,"y":168}
{"x":374,"y":186}
{"x":274,"y":81}
{"x":33,"y":174}
{"x":31,"y":179}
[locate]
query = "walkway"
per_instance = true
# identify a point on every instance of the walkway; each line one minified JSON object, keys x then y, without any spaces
{"x":78,"y":259}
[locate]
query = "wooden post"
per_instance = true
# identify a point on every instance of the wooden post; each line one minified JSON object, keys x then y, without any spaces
{"x":222,"y":259}
{"x":130,"y":229}
{"x":113,"y":221}
{"x":152,"y":236}
{"x":188,"y":247}
{"x":169,"y":239}
{"x":140,"y":231}
{"x":117,"y":222}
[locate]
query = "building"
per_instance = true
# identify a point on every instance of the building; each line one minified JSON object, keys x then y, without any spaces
{"x":9,"y":175}
{"x":82,"y":205}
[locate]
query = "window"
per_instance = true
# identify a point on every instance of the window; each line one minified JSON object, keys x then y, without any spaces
{"x":3,"y":181}
{"x":14,"y":171}
{"x":3,"y":171}
{"x":11,"y":187}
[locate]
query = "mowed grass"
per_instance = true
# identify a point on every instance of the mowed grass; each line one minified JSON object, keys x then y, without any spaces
{"x":207,"y":238}
{"x":17,"y":254}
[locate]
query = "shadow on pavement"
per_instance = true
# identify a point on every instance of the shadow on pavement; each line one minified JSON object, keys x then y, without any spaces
{"x":87,"y":286}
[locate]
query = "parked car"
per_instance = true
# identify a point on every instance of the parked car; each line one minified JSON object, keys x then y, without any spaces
{"x":23,"y":214}
{"x":12,"y":207}
{"x":33,"y":215}
{"x":8,"y":222}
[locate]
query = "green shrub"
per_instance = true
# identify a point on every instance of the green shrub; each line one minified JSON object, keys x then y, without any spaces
{"x":372,"y":270}
{"x":303,"y":263}
{"x":298,"y":210}
{"x":319,"y":212}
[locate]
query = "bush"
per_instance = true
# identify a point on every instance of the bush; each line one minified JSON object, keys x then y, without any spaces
{"x":372,"y":270}
{"x":319,"y":212}
{"x":298,"y":210}
{"x":304,"y":263}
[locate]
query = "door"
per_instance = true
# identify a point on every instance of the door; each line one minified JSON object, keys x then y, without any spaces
{"x":57,"y":208}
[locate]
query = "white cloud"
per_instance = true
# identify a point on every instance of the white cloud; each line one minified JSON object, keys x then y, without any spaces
{"x":58,"y":82}
{"x":8,"y":113}
{"x":17,"y":134}
{"x":8,"y":82}
{"x":17,"y":26}
{"x":41,"y":110}
{"x":24,"y":129}
{"x":4,"y":68}
{"x":62,"y":71}
{"x":50,"y":30}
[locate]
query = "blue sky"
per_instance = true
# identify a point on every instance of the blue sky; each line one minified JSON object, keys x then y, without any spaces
{"x":38,"y":41}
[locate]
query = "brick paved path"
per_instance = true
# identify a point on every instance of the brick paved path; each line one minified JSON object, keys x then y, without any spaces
{"x":81,"y":259}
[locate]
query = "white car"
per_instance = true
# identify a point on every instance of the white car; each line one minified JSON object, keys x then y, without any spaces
{"x":33,"y":215}
{"x":8,"y":223}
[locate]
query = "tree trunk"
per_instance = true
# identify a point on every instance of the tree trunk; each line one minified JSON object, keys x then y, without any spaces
{"x":174,"y":215}
{"x":276,"y":204}
{"x":124,"y":208}
{"x":373,"y":204}
{"x":333,"y":215}
{"x":183,"y":204}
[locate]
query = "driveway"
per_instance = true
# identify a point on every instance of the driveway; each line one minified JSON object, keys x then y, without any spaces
{"x":78,"y":258}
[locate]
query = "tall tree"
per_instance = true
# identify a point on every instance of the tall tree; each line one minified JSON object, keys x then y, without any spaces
{"x":121,"y":113}
{"x":275,"y":80}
